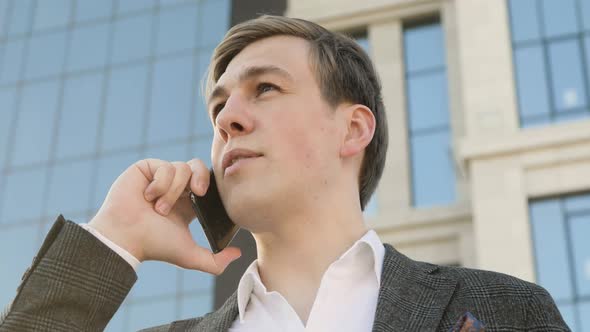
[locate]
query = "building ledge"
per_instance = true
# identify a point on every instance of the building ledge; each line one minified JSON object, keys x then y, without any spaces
{"x":527,"y":139}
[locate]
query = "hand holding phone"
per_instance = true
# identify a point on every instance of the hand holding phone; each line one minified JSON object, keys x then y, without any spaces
{"x":147,"y":212}
{"x":213,"y":217}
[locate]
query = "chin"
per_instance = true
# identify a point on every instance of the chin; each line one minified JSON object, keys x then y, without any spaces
{"x":253,"y":209}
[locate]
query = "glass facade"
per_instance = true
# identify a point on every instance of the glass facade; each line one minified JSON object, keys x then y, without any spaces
{"x":86,"y":89}
{"x":551,"y":51}
{"x":429,"y":132}
{"x":560,"y":228}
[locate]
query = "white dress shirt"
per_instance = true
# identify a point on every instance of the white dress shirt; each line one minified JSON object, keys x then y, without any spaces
{"x":346,"y":299}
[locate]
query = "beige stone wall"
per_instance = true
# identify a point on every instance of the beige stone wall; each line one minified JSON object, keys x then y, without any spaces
{"x":499,"y":166}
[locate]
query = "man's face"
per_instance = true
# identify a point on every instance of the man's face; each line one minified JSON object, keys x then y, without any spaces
{"x":267,"y":108}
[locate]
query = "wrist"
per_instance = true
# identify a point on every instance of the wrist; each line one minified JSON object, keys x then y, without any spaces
{"x":107,"y":227}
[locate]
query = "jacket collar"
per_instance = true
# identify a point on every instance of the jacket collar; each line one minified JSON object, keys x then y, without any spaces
{"x":412,"y":297}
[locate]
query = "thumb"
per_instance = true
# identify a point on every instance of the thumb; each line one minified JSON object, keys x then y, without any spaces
{"x":204,"y":260}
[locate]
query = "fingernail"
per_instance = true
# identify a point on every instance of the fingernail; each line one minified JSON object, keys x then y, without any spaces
{"x":201,"y":187}
{"x":163,"y":207}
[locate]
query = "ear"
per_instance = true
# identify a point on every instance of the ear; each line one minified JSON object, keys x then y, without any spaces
{"x":360,"y":130}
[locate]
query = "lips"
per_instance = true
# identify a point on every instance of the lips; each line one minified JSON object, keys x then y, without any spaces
{"x":236,"y":154}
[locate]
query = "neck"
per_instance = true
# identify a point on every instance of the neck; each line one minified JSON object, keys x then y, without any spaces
{"x":292,"y":258}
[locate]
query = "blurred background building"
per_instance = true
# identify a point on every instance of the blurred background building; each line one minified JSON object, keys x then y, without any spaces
{"x":488,"y":105}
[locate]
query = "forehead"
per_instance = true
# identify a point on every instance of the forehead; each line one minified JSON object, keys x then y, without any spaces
{"x":286,"y":52}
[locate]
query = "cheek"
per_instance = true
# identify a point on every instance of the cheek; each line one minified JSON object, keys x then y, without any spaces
{"x":307,"y":146}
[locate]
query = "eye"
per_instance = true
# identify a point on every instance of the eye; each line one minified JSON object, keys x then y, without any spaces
{"x":265,"y":87}
{"x":216,"y":109}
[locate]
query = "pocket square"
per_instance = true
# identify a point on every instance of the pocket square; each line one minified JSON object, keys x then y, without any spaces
{"x":468,"y":323}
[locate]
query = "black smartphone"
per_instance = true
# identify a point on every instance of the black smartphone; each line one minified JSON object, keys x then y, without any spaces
{"x":217,"y":225}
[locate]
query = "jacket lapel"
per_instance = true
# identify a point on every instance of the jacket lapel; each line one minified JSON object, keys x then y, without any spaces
{"x":220,"y":320}
{"x":412,"y":297}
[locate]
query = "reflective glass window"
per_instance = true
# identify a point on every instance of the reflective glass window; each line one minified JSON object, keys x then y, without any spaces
{"x":196,"y":280}
{"x":177,"y":28}
{"x":46,"y":55}
{"x":4,"y":7}
{"x":170,"y":152}
{"x":551,"y":60}
{"x":92,"y":9}
{"x":125,"y":109}
{"x":525,"y":20}
{"x":78,"y":123}
{"x":580,"y":229}
{"x":119,"y":320}
{"x":23,"y":195}
{"x":151,"y":313}
{"x":7,"y":104}
{"x":202,"y":123}
{"x":88,"y":47}
{"x":433,"y":179}
{"x":584,"y":316}
{"x":578,"y":203}
{"x":164,"y":3}
{"x":132,"y":38}
{"x":432,"y":111}
{"x":559,"y":17}
{"x":569,"y":116}
{"x":568,"y":312}
{"x":20,"y":242}
{"x":214,"y":21}
{"x":560,"y":228}
{"x":69,"y":187}
{"x":35,"y":121}
{"x":108,"y":169}
{"x":432,"y":168}
{"x":125,"y":6}
{"x":195,"y":305}
{"x":201,"y":149}
{"x":20,"y":17}
{"x":50,"y":14}
{"x":171,"y":99}
{"x":531,"y":80}
{"x":549,"y":232}
{"x":12,"y":61}
{"x":155,"y":278}
{"x":569,"y":90}
{"x":585,"y":11}
{"x":424,"y":47}
{"x":586,"y":46}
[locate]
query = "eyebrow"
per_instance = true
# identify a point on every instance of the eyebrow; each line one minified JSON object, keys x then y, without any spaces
{"x":248,"y":74}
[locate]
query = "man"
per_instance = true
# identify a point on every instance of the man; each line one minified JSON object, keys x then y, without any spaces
{"x":299,"y":146}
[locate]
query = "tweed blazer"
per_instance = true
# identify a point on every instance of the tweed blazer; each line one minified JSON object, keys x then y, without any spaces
{"x":76,"y":283}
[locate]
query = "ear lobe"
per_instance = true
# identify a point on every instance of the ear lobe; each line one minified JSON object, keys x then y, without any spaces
{"x":360,"y":131}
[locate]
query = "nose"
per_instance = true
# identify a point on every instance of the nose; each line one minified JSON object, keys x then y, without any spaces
{"x":234,"y":120}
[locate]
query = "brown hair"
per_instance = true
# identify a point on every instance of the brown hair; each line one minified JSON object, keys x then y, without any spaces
{"x":342,"y":68}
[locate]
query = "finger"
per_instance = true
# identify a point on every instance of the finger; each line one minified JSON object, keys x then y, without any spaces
{"x":200,"y":177}
{"x":149,"y":166}
{"x":182,"y":176}
{"x":202,"y":259}
{"x":162,"y":180}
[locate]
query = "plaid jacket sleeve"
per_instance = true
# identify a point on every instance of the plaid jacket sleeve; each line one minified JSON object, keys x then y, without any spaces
{"x":75,"y":283}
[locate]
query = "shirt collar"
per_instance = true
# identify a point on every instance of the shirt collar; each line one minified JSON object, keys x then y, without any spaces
{"x":251,"y":277}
